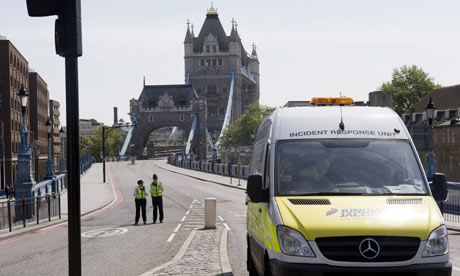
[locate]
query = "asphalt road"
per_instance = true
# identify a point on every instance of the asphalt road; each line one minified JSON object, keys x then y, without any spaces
{"x":137,"y":249}
{"x":129,"y":249}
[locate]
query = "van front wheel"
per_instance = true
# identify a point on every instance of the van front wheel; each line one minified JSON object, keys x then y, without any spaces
{"x":267,"y":268}
{"x":251,"y":267}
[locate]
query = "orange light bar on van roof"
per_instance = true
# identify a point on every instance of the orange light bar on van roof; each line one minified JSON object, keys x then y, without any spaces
{"x":319,"y":100}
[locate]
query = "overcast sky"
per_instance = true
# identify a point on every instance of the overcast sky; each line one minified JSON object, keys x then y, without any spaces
{"x":306,"y":48}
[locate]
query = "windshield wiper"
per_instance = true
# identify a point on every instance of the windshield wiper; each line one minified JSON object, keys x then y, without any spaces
{"x":330,"y":194}
{"x":404,"y":194}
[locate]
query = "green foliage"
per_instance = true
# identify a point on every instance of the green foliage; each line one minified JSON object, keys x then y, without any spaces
{"x":242,"y":128}
{"x":114,"y":139}
{"x":409,"y":85}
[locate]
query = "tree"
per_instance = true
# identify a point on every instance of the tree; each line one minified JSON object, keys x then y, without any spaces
{"x":242,"y":128}
{"x":409,"y":85}
{"x":114,"y":139}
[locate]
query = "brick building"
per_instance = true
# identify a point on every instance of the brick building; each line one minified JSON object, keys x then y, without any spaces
{"x":38,"y":97}
{"x":14,"y":73}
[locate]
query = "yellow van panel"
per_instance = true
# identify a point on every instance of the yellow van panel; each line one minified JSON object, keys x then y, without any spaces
{"x":362,"y":216}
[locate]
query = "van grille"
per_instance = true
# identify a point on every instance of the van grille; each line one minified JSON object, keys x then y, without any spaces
{"x":405,"y":201}
{"x":346,"y":249}
{"x":302,"y":201}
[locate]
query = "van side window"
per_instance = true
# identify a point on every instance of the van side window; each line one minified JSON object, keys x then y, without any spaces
{"x":267,"y":168}
{"x":260,"y":145}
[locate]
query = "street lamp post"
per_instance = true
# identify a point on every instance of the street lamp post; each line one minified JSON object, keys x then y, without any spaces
{"x":49,"y":163}
{"x":230,"y":159}
{"x":201,"y":152}
{"x":214,"y":151}
{"x":430,"y":157}
{"x":24,"y":183}
{"x":62,"y":161}
{"x":103,"y":145}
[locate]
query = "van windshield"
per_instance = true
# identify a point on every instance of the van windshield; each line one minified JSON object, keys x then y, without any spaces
{"x":346,"y":166}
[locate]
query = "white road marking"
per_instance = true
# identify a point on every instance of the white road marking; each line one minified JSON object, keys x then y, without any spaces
{"x":104,"y":232}
{"x":183,"y":218}
{"x":177,"y":228}
{"x":226,"y":226}
{"x":171,"y":237}
{"x":188,"y":212}
{"x":221,"y":219}
{"x":456,"y":268}
{"x":195,"y":201}
{"x":191,"y":206}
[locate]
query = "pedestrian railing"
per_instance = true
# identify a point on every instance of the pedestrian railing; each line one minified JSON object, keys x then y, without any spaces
{"x":233,"y":170}
{"x":22,"y":212}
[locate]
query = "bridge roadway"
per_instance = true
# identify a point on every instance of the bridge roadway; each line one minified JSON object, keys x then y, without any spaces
{"x":143,"y":248}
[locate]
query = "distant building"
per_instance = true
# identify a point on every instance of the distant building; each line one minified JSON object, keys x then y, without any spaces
{"x":445,"y":137}
{"x":14,"y":73}
{"x":38,"y":97}
{"x":210,"y":59}
{"x":88,"y":127}
{"x":55,"y":115}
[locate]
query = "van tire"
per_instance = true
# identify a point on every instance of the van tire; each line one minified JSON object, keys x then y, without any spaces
{"x":250,"y":264}
{"x":267,"y":267}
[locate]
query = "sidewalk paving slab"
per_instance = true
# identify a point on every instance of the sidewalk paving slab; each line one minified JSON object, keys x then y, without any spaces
{"x":94,"y":195}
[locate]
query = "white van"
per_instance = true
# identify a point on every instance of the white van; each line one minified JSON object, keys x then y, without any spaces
{"x":337,"y":188}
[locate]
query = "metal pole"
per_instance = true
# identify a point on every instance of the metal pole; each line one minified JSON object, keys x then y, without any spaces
{"x":73,"y":165}
{"x":48,"y":199}
{"x":239,"y":165}
{"x":59,"y":203}
{"x":38,"y":210}
{"x":24,"y":212}
{"x":3,"y":154}
{"x":103,"y":154}
{"x":9,"y":214}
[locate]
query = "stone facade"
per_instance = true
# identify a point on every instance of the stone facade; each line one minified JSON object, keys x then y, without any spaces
{"x":162,"y":106}
{"x":55,"y":115}
{"x":14,"y":73}
{"x":210,"y":59}
{"x":39,"y":97}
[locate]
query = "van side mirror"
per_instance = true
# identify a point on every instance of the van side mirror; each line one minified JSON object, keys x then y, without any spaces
{"x":255,"y":190}
{"x":439,"y":190}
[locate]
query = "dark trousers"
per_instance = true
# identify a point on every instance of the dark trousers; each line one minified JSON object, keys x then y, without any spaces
{"x":140,"y":204}
{"x":157,"y":203}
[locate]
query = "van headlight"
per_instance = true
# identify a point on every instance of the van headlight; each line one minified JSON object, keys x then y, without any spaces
{"x":293,"y":243}
{"x":437,"y":244}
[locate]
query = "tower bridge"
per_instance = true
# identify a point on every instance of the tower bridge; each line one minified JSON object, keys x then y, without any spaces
{"x":221,"y":81}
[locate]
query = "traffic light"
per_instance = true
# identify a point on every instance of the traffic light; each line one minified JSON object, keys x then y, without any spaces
{"x":67,"y":29}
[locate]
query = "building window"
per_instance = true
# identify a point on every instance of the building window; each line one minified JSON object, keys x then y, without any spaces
{"x":214,"y":48}
{"x":198,"y":90}
{"x":219,"y":62}
{"x":202,"y":62}
{"x":212,"y":89}
{"x":181,"y":117}
{"x":208,"y":48}
{"x":208,"y":62}
{"x":214,"y":62}
{"x":224,"y":90}
{"x":150,"y":118}
{"x":221,"y":111}
{"x":212,"y":110}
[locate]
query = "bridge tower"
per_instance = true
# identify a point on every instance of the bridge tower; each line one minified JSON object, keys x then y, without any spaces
{"x":210,"y":59}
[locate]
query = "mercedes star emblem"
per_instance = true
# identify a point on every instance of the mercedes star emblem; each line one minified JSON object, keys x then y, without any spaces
{"x":369,"y":248}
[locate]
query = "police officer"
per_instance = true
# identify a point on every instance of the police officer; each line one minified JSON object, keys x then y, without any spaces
{"x":141,"y":201}
{"x":156,"y":190}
